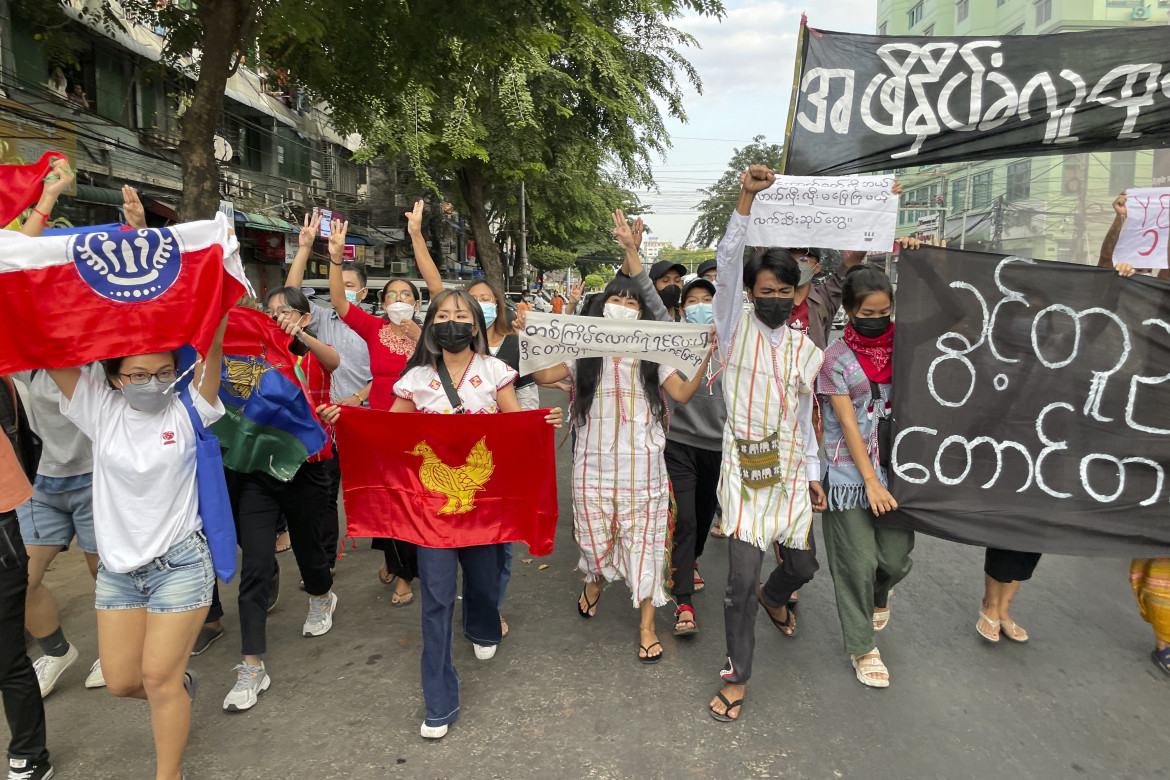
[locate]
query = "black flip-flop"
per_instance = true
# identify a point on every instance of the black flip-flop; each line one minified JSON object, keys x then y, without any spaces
{"x":1162,"y":659}
{"x":789,"y":624}
{"x":723,"y":717}
{"x":650,"y":659}
{"x":588,"y":604}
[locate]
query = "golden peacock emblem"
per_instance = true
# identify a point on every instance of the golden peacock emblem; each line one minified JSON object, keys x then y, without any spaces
{"x":243,"y":374}
{"x":459,"y":485}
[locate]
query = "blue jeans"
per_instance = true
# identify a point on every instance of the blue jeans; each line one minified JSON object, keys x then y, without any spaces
{"x":179,"y":580}
{"x":505,"y":574}
{"x":438,"y":572}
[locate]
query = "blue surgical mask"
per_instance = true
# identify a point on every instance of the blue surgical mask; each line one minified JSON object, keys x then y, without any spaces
{"x":351,"y":296}
{"x":700,"y":313}
{"x":489,"y":312}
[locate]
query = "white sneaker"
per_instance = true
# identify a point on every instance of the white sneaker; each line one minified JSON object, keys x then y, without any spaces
{"x":49,"y":669}
{"x":433,"y":732}
{"x":320,"y":618}
{"x":484,"y":652}
{"x":251,"y":681}
{"x":96,"y":679}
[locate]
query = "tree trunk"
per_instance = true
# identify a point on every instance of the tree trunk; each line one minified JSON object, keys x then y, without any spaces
{"x":223,"y":22}
{"x":471,"y":188}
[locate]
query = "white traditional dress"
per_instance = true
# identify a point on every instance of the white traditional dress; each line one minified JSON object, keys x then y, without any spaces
{"x":621,"y":491}
{"x":770,"y":451}
{"x":764,"y":488}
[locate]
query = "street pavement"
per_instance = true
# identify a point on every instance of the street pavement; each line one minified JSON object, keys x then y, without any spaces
{"x":567,"y":698}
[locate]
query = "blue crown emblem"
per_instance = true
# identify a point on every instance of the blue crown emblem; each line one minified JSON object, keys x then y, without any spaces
{"x":127,"y":266}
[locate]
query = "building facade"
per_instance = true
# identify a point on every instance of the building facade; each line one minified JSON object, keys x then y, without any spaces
{"x":1055,"y":207}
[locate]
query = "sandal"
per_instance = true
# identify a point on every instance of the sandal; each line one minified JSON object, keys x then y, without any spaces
{"x":881,"y":618}
{"x":1162,"y":659}
{"x":993,"y":634}
{"x":868,"y":668}
{"x":589,"y":605}
{"x":283,"y":542}
{"x":787,"y":627}
{"x":679,"y":620}
{"x":385,"y":576}
{"x":717,"y":532}
{"x":699,"y":584}
{"x":723,"y":717}
{"x":503,"y":627}
{"x":650,"y":659}
{"x":401,"y":599}
{"x":1012,"y":631}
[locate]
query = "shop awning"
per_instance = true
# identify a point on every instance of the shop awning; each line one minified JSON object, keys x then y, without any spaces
{"x":166,"y":210}
{"x":263,"y":222}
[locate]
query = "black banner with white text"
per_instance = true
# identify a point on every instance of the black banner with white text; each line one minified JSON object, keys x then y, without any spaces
{"x":1031,"y":404}
{"x":874,"y":103}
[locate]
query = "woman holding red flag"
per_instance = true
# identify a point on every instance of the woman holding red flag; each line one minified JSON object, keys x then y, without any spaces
{"x":451,"y":372}
{"x":391,"y":342}
{"x":866,"y":558}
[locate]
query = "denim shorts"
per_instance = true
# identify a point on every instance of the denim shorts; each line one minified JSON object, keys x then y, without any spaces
{"x":179,"y":580}
{"x":53,"y":519}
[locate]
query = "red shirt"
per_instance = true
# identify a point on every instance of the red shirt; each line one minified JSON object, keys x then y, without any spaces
{"x":388,"y":353}
{"x":315,"y":382}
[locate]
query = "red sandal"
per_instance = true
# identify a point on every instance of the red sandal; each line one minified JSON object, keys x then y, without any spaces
{"x":685,"y":631}
{"x":699,"y":584}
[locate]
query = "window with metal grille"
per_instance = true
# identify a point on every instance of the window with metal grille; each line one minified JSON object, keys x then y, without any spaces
{"x":1019,"y":180}
{"x":914,"y":15}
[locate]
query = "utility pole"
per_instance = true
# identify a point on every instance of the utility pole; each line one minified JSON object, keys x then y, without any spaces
{"x":966,"y":208}
{"x":523,"y":241}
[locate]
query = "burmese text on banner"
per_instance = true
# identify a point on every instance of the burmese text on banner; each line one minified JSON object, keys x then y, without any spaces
{"x":449,"y":480}
{"x":73,"y":299}
{"x":872,"y":103}
{"x":552,"y":339}
{"x":1144,"y":236}
{"x":1031,"y":404}
{"x":833,"y":212}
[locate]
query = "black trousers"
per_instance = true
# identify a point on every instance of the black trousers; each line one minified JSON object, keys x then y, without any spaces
{"x":259,"y":500}
{"x":1009,"y":565}
{"x":331,"y":520}
{"x":694,"y":478}
{"x":18,"y":682}
{"x":741,"y":603}
{"x":401,"y":557}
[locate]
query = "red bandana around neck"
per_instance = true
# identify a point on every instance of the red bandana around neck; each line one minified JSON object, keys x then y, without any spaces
{"x":874,"y":355}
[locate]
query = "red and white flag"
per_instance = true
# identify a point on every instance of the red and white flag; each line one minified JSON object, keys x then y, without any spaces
{"x":72,"y":299}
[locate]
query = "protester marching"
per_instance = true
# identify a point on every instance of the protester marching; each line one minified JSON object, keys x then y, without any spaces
{"x":179,"y":425}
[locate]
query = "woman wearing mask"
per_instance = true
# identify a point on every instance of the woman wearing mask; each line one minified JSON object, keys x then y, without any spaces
{"x":621,"y":509}
{"x":391,"y":343}
{"x":260,"y":501}
{"x":694,"y":443}
{"x":866,"y":558}
{"x":453,"y":343}
{"x":155,"y":577}
{"x":502,"y":342}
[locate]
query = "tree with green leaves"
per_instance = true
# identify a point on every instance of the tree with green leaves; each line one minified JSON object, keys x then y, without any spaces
{"x":582,"y":93}
{"x":719,"y":199}
{"x":594,"y":282}
{"x":548,"y":258}
{"x":690,"y":258}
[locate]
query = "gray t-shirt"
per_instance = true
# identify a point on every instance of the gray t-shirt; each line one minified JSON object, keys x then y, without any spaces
{"x":66,"y":452}
{"x":354,"y":371}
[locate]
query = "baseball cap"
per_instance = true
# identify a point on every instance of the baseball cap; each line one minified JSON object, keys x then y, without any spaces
{"x":707,"y":265}
{"x":660,"y":268}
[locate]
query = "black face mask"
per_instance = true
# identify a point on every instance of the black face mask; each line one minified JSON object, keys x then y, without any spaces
{"x":774,"y":312}
{"x":670,"y":295}
{"x":871,"y":327}
{"x":452,"y":336}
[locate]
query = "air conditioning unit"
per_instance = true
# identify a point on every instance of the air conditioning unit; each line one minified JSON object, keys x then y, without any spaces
{"x":231,"y":184}
{"x":399,"y":268}
{"x":363,"y":191}
{"x":320,"y":187}
{"x":291,"y":194}
{"x":1140,"y":14}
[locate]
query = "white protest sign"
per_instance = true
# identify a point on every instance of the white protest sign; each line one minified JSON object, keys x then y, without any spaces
{"x":1147,"y":228}
{"x":552,"y":339}
{"x":833,"y":212}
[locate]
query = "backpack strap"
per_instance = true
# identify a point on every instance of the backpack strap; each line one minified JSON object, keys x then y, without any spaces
{"x":449,"y":386}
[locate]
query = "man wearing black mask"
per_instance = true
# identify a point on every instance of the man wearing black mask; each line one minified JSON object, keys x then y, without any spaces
{"x":667,"y":278}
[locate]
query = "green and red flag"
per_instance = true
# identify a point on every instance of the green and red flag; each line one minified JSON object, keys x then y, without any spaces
{"x":270,"y":427}
{"x":454,"y":480}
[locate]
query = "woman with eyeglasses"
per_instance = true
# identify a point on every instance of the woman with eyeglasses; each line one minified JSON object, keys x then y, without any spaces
{"x":391,"y":342}
{"x":155,"y":576}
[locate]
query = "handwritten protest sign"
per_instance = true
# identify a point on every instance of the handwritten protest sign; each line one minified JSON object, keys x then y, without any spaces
{"x":834,"y":212}
{"x":1031,"y":404}
{"x":871,"y":102}
{"x":1147,"y":228}
{"x":551,"y":339}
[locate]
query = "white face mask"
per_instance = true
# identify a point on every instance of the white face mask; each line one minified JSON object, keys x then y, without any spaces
{"x":399,"y":312}
{"x":617,"y":311}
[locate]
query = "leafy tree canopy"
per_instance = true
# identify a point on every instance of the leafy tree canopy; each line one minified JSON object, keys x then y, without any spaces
{"x":719,"y":199}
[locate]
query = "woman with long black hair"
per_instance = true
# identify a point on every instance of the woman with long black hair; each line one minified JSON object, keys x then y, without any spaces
{"x":621,"y":504}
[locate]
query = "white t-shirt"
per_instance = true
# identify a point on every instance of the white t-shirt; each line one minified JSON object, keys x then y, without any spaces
{"x":144,"y":491}
{"x":477,"y":388}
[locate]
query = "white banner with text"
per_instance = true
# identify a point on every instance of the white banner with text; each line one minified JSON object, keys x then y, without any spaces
{"x":551,"y":339}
